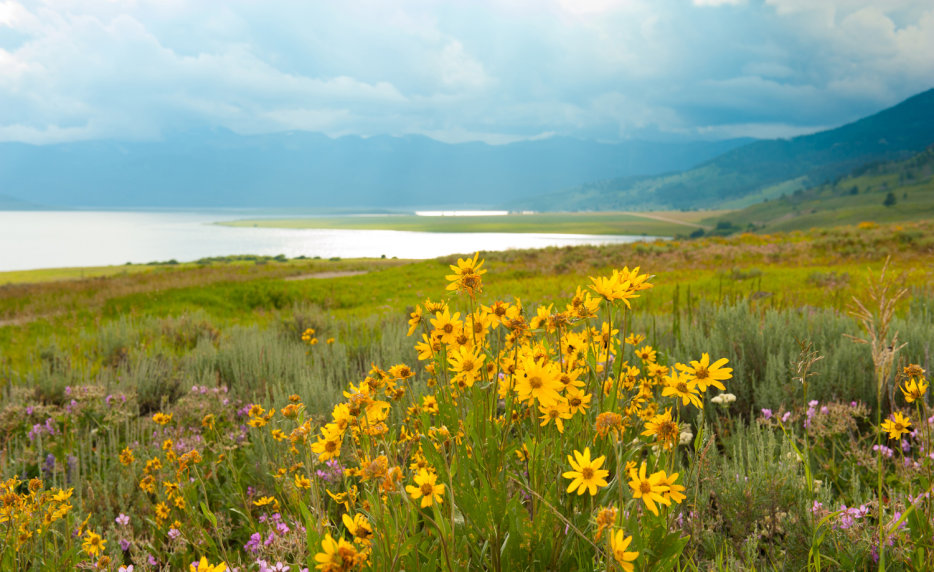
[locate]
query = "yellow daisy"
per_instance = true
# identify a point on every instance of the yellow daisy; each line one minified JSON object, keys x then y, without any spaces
{"x":619,"y":542}
{"x":426,"y":489}
{"x":587,"y":475}
{"x":897,"y":426}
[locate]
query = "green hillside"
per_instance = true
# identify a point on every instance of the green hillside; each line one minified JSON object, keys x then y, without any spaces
{"x":764,"y":169}
{"x":880,"y":193}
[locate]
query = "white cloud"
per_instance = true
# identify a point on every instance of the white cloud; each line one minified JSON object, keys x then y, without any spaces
{"x":758,"y":130}
{"x":459,"y":70}
{"x":495,"y":70}
{"x":718,"y":2}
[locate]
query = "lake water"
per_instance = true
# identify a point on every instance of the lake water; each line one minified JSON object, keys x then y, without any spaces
{"x":51,"y":239}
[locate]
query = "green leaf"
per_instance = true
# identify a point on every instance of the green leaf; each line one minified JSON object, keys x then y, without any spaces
{"x":208,"y":514}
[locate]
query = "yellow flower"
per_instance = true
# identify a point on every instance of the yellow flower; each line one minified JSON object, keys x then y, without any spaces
{"x":162,"y":418}
{"x":635,"y":339}
{"x":622,"y":285}
{"x":666,"y":431}
{"x":162,"y":511}
{"x":897,"y":426}
{"x":914,"y":389}
{"x":650,"y":489}
{"x":148,"y":484}
{"x":359,"y":527}
{"x":302,"y":482}
{"x":619,"y":542}
{"x":557,"y":411}
{"x":446,"y":327}
{"x":337,"y":555}
{"x":674,"y":491}
{"x":646,"y":354}
{"x":583,"y":305}
{"x":401,"y":371}
{"x":679,"y":385}
{"x":466,"y":277}
{"x":587,"y":475}
{"x":538,"y":381}
{"x":466,"y":364}
{"x":171,"y":489}
{"x":371,"y":469}
{"x":266,"y":501}
{"x":328,"y":444}
{"x":426,"y":490}
{"x":126,"y":457}
{"x":93,"y":544}
{"x":430,"y":404}
{"x":578,"y":401}
{"x":208,"y":421}
{"x":205,"y":566}
{"x":913,"y":370}
{"x":415,"y":318}
{"x":608,"y":421}
{"x":62,"y":495}
{"x":707,"y":374}
{"x":605,"y":518}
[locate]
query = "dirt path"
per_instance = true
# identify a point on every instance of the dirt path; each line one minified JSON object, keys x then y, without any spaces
{"x":320,"y":275}
{"x":18,"y":321}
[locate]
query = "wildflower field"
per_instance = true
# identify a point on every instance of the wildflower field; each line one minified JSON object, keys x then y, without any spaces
{"x":756,"y":402}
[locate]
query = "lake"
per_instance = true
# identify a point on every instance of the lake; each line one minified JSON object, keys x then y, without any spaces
{"x":54,"y":239}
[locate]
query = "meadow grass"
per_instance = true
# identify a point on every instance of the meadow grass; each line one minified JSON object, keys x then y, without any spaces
{"x":662,"y":223}
{"x":190,"y":416}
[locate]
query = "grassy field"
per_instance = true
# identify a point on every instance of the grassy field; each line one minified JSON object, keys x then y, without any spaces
{"x":267,"y":413}
{"x":662,"y":223}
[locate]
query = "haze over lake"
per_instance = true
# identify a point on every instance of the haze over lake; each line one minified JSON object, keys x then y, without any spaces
{"x":52,"y":239}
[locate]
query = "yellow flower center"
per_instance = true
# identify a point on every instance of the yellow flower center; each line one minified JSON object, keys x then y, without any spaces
{"x":667,"y":431}
{"x":330,"y":446}
{"x":701,"y":373}
{"x":587,"y":473}
{"x":645,"y":487}
{"x":427,"y":489}
{"x":682,"y":387}
{"x":535,"y":382}
{"x":448,"y":328}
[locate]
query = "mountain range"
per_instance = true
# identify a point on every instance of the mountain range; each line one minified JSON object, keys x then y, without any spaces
{"x":215,"y":167}
{"x":219,"y":168}
{"x":763,"y":169}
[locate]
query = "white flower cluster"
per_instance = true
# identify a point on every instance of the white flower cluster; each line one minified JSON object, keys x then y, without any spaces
{"x":686,"y":435}
{"x":723,"y":399}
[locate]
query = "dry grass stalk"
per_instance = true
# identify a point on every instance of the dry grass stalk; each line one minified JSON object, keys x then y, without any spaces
{"x":882,"y":297}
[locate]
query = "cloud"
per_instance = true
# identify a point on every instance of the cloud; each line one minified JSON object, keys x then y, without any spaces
{"x":493,"y":70}
{"x":718,"y":2}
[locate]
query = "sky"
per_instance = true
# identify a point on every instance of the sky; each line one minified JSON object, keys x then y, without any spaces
{"x":459,"y":70}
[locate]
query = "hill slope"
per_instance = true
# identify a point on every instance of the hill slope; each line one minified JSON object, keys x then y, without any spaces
{"x":862,"y":196}
{"x":763,"y":169}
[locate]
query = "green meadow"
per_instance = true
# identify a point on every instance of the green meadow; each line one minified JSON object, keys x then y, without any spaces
{"x":661,"y":223}
{"x":256,"y":411}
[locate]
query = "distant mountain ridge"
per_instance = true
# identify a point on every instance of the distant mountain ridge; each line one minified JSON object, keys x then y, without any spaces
{"x":763,"y":169}
{"x":12,"y":204}
{"x":218,"y":168}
